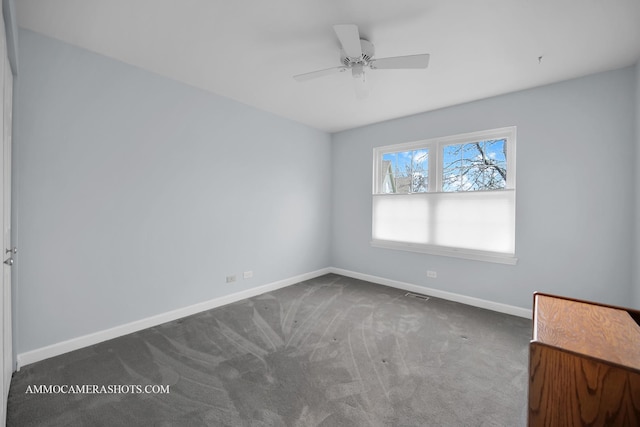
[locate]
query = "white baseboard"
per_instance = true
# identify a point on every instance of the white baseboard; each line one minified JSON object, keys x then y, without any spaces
{"x":476,"y":302}
{"x":26,"y":358}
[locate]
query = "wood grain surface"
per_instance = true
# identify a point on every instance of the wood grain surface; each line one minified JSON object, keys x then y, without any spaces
{"x":606,"y":333}
{"x":568,"y":390}
{"x":584,"y":364}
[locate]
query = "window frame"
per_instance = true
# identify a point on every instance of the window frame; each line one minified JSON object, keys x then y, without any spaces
{"x":435,"y":147}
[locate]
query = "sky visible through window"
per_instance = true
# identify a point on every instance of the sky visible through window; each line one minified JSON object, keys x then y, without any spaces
{"x":471,"y":166}
{"x":406,"y":171}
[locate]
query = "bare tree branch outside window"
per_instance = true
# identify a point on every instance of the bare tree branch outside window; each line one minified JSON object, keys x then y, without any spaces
{"x":475,"y":166}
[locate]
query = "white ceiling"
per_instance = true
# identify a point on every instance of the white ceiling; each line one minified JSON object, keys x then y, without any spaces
{"x":249,"y":50}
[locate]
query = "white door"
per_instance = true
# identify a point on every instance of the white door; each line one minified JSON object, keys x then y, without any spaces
{"x":9,"y":250}
{"x":6,"y":358}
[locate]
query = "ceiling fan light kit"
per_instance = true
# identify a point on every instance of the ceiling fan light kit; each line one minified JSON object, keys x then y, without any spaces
{"x":358,"y":54}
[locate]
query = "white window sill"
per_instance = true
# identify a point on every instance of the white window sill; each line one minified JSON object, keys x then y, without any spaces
{"x":495,"y":257}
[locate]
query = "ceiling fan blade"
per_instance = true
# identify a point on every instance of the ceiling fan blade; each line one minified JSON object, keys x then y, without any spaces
{"x":320,"y":73}
{"x":349,"y":39}
{"x":400,"y":62}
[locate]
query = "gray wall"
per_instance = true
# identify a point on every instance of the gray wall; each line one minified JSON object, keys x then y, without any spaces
{"x":636,"y":258}
{"x":575,"y":193}
{"x":137,"y":195}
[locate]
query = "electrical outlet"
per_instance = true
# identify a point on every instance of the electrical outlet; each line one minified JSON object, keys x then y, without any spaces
{"x":231,"y":278}
{"x":431,"y":274}
{"x":247,"y":274}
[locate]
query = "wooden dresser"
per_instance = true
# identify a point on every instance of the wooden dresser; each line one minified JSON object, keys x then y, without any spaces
{"x":584,"y":364}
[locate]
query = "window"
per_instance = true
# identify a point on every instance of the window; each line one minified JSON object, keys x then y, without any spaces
{"x":448,"y":196}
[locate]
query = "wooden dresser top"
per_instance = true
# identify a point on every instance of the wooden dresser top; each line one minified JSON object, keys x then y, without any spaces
{"x":599,"y":331}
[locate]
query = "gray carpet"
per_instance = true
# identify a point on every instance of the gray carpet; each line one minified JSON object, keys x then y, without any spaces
{"x":332,"y":351}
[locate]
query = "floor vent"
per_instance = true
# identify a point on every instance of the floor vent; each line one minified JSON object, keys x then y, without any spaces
{"x":419,"y":296}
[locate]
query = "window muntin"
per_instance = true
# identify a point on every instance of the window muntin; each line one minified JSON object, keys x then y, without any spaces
{"x":458,"y":199}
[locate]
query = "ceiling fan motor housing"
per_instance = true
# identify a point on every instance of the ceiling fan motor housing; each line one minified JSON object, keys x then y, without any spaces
{"x":368,"y":51}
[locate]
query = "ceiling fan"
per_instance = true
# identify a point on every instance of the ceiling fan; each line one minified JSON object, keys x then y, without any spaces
{"x":357,"y":55}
